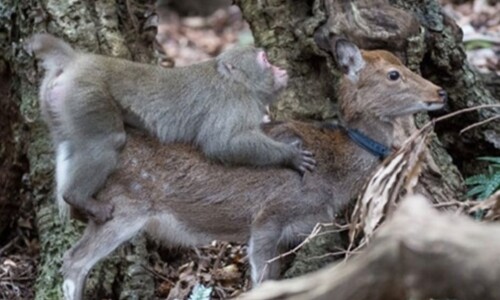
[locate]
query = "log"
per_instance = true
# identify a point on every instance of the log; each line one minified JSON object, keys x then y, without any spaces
{"x":418,"y":254}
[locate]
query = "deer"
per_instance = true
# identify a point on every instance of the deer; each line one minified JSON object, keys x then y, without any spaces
{"x":270,"y":208}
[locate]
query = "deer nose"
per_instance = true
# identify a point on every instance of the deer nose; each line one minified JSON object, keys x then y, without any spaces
{"x":443,"y":95}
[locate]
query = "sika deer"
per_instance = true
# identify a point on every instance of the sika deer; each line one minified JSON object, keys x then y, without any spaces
{"x":197,"y":201}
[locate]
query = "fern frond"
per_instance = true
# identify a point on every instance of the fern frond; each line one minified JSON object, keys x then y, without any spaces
{"x":492,"y":186}
{"x":484,"y":185}
{"x":477,"y":190}
{"x":476,"y":179}
{"x":493,"y":159}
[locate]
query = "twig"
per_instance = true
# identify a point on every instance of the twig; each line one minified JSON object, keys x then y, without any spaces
{"x":447,"y":204}
{"x":481,"y":37}
{"x":220,"y":292}
{"x":218,"y":258}
{"x":355,"y":250}
{"x":339,"y":228}
{"x":342,"y":252}
{"x":332,"y":231}
{"x":9,"y":244}
{"x":157,"y":274}
{"x":458,"y":112}
{"x":479,"y":123}
{"x":18,"y":279}
{"x":313,"y":234}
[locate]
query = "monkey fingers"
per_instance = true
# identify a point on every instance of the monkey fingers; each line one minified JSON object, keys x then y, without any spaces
{"x":303,"y":160}
{"x":308,"y":161}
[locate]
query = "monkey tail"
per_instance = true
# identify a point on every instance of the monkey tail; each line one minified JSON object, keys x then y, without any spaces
{"x":54,"y":52}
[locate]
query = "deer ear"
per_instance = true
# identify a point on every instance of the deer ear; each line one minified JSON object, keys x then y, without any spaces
{"x":349,"y":59}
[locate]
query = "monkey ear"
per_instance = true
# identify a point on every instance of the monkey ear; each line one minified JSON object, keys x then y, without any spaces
{"x":225,"y":68}
{"x":349,"y":59}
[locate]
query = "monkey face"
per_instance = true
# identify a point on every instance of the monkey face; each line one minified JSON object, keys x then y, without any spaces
{"x":280,"y":75}
{"x":250,"y":67}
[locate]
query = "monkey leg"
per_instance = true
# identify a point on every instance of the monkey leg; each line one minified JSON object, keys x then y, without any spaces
{"x":263,"y":246}
{"x":97,"y":242}
{"x":87,"y":168}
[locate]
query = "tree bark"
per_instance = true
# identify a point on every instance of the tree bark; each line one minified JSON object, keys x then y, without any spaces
{"x":108,"y":27}
{"x":418,"y":254}
{"x":12,"y":165}
{"x":12,"y":146}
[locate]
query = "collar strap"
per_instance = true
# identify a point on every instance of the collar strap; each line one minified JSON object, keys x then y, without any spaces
{"x":372,"y":146}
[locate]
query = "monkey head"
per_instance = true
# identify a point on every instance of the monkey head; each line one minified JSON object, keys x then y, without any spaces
{"x":250,"y":67}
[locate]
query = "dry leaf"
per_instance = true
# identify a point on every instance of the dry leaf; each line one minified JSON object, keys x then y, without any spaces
{"x":398,"y":173}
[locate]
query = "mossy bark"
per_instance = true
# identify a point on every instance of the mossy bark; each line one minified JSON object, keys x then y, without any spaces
{"x":12,"y":145}
{"x":101,"y":27}
{"x":418,"y":32}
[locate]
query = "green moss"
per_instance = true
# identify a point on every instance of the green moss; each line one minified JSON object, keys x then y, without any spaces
{"x":315,"y":255}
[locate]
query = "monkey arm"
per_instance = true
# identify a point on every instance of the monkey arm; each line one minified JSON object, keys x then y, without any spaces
{"x":255,"y":148}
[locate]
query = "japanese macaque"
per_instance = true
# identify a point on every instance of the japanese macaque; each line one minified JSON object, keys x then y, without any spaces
{"x":271,"y":209}
{"x":216,"y":105}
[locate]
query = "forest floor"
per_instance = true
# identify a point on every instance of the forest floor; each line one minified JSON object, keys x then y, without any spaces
{"x":219,"y":267}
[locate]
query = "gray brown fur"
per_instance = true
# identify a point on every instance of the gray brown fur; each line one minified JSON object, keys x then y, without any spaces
{"x":269,"y":208}
{"x":216,"y":105}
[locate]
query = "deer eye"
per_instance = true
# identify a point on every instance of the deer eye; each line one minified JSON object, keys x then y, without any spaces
{"x":393,"y":75}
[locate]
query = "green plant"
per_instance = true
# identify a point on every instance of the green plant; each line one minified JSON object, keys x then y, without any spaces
{"x":200,"y":292}
{"x":484,"y":185}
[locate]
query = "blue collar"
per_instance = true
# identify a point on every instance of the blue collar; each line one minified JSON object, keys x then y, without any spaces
{"x":375,"y":148}
{"x":372,"y":146}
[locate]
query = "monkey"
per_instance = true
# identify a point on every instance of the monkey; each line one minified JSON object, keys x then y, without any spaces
{"x":216,"y":105}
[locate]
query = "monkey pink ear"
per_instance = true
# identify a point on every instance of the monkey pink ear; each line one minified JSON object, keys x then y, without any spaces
{"x":349,"y":59}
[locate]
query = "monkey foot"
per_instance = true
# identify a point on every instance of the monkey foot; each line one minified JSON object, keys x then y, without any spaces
{"x":100,"y":212}
{"x":92,"y":209}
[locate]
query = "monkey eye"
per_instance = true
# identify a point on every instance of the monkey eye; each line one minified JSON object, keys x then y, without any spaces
{"x":264,"y":59}
{"x":393,"y":75}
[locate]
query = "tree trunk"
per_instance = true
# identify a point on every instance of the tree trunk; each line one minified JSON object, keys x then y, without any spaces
{"x":109,"y":27}
{"x":298,"y":32}
{"x":12,"y":164}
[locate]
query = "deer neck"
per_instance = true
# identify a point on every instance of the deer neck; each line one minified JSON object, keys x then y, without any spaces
{"x":371,"y":131}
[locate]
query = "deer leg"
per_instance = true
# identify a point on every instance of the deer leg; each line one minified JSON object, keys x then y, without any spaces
{"x":97,"y":242}
{"x":263,"y":246}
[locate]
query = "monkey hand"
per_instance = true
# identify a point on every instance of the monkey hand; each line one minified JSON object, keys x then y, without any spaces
{"x":302,"y":160}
